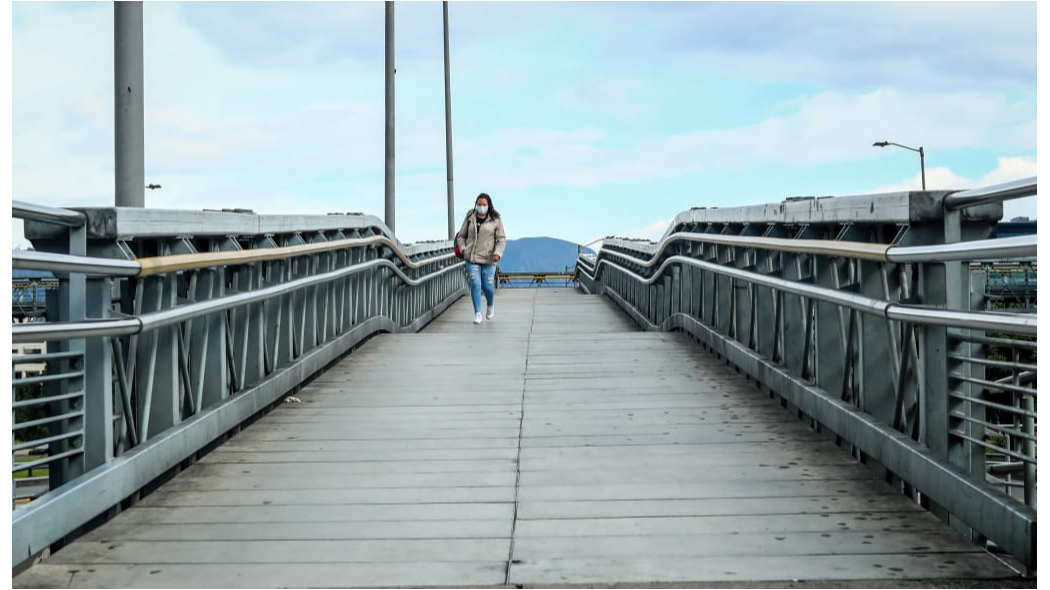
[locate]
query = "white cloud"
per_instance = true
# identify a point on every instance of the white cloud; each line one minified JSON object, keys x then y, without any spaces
{"x":1011,"y":169}
{"x":864,"y":45}
{"x":826,"y":128}
{"x":942,"y":178}
{"x":652,"y":232}
{"x":1008,"y":168}
{"x":312,"y":34}
{"x":253,"y":130}
{"x":859,"y":45}
{"x":612,"y":96}
{"x":319,"y":156}
{"x":834,"y":127}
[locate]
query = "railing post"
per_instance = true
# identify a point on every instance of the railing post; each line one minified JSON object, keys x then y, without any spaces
{"x":675,"y":292}
{"x":947,"y":285}
{"x":255,"y":363}
{"x":765,"y":308}
{"x":98,"y":381}
{"x":793,"y":316}
{"x":957,"y":296}
{"x":210,"y":341}
{"x":831,"y":343}
{"x":742,"y":298}
{"x":156,"y":377}
{"x":70,"y":307}
{"x":663,"y":299}
{"x":656,"y":300}
{"x":310,"y":296}
{"x":686,"y":293}
{"x":875,"y":350}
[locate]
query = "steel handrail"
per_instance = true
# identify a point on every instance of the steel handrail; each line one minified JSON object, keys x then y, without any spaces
{"x":1017,"y":189}
{"x":66,"y":217}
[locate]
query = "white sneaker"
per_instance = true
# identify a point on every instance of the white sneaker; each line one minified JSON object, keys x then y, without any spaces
{"x":477,"y":318}
{"x":491,"y":312}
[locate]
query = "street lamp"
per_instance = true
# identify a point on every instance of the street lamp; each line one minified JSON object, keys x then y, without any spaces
{"x":922,"y":157}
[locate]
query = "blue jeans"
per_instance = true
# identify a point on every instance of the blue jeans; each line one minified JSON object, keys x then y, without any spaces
{"x":482,"y":279}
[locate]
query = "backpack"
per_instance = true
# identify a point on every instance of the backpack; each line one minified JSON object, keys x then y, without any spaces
{"x":457,"y":251}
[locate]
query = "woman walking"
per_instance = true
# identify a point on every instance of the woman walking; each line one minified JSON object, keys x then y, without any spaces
{"x":482,"y":240}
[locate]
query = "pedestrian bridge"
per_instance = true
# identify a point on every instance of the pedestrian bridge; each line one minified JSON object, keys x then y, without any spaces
{"x":308,"y":404}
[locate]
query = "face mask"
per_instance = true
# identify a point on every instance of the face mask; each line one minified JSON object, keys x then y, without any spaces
{"x":481,"y":209}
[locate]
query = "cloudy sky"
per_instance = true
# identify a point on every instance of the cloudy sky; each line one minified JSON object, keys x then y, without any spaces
{"x":581,"y":120}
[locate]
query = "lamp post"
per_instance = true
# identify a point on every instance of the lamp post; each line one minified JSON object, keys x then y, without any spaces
{"x":390,"y":71}
{"x":922,"y":157}
{"x":448,"y":131}
{"x":129,"y":105}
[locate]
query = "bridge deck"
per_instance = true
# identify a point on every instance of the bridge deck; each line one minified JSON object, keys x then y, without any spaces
{"x":554,"y":445}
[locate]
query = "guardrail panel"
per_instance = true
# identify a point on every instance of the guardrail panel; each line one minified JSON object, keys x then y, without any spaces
{"x":201,"y":342}
{"x":890,"y":333}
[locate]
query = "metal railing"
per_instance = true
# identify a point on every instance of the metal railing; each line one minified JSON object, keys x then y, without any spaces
{"x":163,"y":342}
{"x":534,"y":280}
{"x":861,"y":314}
{"x":41,"y":380}
{"x":63,"y":217}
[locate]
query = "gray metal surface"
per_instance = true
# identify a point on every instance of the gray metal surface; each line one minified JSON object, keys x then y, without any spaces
{"x":49,"y":331}
{"x":31,"y":211}
{"x":28,"y":260}
{"x":997,"y":249}
{"x":1016,"y":189}
{"x":830,"y":247}
{"x":1013,"y":323}
{"x":901,"y":208}
{"x":129,"y":105}
{"x":151,"y":321}
{"x":553,"y":445}
{"x":138,"y":223}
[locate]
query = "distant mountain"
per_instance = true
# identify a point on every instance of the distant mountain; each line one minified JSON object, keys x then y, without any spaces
{"x":539,"y":254}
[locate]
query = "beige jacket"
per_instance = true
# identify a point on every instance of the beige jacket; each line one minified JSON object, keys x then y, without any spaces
{"x":481,"y":246}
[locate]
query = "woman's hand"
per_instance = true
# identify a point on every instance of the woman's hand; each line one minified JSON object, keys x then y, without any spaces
{"x":495,"y":257}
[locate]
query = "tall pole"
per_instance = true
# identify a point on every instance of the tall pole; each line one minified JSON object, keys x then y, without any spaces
{"x":922,"y":167}
{"x":448,"y":131}
{"x":129,"y":133}
{"x":389,"y":181}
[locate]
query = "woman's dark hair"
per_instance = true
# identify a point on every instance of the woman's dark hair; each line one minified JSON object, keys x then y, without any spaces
{"x":492,"y":210}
